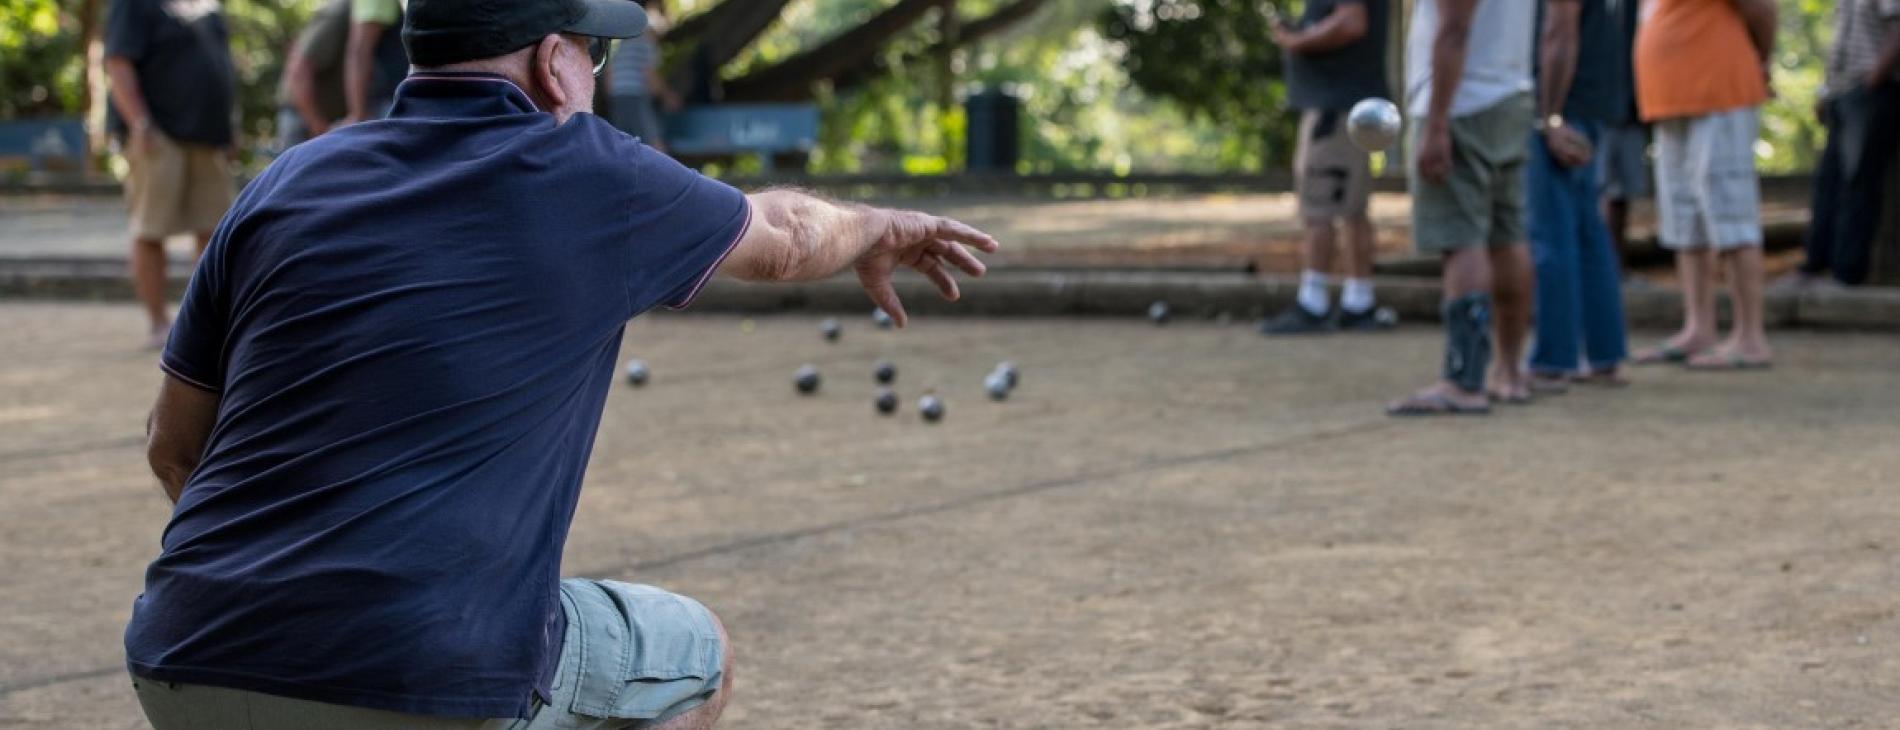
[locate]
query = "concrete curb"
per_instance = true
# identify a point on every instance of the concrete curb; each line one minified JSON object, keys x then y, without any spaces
{"x":1046,"y":293}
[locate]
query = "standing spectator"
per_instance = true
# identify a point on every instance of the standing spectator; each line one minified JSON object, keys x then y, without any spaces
{"x":1861,"y":107}
{"x":374,"y":61}
{"x":1334,"y":58}
{"x":1469,"y":91}
{"x":1623,"y":146}
{"x":1579,"y":296}
{"x":1701,"y":74}
{"x":171,"y":108}
{"x":634,"y":84}
{"x":310,"y":93}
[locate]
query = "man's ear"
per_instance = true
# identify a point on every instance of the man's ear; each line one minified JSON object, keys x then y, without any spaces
{"x":545,"y":71}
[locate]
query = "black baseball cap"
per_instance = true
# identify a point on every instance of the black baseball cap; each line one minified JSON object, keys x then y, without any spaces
{"x":441,"y":32}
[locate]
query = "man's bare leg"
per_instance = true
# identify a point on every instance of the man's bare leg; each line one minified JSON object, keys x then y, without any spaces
{"x":1361,"y":247}
{"x":1695,"y":268}
{"x":1511,"y":282}
{"x":1356,"y":295}
{"x":148,"y":284}
{"x":1747,"y":343}
{"x":705,"y":716}
{"x":1316,"y":254}
{"x":1313,"y":302}
{"x":1616,"y":216}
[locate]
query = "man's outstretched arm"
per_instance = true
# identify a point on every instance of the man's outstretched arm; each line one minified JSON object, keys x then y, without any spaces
{"x":797,"y":236}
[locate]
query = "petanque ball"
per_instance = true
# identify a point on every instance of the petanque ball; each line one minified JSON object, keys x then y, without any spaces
{"x":806,"y":379}
{"x":1373,"y":124}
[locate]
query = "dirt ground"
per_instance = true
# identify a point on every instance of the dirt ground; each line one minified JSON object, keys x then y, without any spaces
{"x":1165,"y":527}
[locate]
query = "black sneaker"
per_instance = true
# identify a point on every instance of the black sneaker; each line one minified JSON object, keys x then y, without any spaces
{"x":1371,"y":320}
{"x":1295,"y":320}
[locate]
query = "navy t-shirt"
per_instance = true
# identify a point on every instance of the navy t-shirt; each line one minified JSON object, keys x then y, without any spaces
{"x":1602,"y":88}
{"x":412,"y":326}
{"x":1337,"y":79}
{"x":180,"y":53}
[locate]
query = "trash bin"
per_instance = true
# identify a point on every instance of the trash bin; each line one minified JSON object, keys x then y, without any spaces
{"x":991,"y":132}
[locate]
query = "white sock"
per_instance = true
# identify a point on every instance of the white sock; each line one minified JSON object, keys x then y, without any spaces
{"x":1356,"y":295}
{"x":1313,"y":296}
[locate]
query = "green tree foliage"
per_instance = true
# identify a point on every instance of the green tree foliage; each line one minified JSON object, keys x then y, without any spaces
{"x":1791,"y":136}
{"x":1213,"y":59}
{"x":1153,"y":85}
{"x":41,"y":68}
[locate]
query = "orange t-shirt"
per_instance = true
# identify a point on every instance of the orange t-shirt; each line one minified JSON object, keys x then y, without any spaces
{"x":1694,"y":57}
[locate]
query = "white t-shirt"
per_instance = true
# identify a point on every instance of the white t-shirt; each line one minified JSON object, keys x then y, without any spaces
{"x":1497,"y":56}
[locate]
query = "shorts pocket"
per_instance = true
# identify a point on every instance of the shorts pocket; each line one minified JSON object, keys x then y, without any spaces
{"x":645,"y":654}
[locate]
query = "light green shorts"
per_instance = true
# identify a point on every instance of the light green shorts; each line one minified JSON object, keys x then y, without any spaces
{"x":634,"y":655}
{"x":1482,"y":202}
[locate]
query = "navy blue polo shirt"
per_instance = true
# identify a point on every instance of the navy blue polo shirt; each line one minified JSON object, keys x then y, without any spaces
{"x":412,"y":325}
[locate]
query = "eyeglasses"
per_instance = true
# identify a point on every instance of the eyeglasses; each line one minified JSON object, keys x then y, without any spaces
{"x":597,"y":50}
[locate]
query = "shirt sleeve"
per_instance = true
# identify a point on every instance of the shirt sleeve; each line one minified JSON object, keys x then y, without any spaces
{"x":128,"y":29}
{"x":381,"y":12}
{"x":195,"y":351}
{"x":681,"y":226}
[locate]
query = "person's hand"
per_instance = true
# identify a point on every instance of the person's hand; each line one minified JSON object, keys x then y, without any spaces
{"x":933,"y":246}
{"x":1434,"y":151}
{"x":140,"y":138}
{"x":1282,"y":36}
{"x":1568,"y":146}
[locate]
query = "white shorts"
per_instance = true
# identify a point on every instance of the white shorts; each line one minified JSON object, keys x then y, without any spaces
{"x":1707,"y":194}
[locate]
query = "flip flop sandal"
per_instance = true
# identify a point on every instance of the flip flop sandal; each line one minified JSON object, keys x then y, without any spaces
{"x":1663,"y":354}
{"x":1730,"y":363}
{"x":1433,"y":405}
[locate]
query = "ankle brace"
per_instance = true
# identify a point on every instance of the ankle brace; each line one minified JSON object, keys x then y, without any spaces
{"x":1468,"y":340}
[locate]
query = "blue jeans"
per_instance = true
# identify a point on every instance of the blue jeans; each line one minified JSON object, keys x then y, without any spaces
{"x":1579,"y":292}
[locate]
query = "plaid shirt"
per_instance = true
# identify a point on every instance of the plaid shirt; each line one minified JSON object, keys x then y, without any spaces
{"x":1859,"y":28}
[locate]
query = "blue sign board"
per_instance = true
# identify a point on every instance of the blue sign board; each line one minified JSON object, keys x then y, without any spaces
{"x":43,"y":145}
{"x":724,"y":129}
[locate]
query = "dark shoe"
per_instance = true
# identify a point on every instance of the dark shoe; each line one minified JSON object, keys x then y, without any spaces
{"x":1297,"y":321}
{"x":1371,"y":320}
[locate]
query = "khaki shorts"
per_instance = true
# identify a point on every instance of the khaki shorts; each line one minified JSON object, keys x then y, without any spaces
{"x":1332,"y":175}
{"x":1706,"y":190}
{"x":1481,"y":203}
{"x":176,"y":187}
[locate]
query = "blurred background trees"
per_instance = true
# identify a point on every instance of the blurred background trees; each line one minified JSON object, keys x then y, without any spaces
{"x":1106,"y":85}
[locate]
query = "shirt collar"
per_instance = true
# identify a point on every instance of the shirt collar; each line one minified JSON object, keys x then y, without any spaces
{"x":459,"y":94}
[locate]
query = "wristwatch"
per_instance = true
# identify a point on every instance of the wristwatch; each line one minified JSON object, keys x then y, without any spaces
{"x":1551,"y":122}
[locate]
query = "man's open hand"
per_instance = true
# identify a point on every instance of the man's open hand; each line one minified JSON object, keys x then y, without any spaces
{"x":933,"y":246}
{"x":1434,"y":153}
